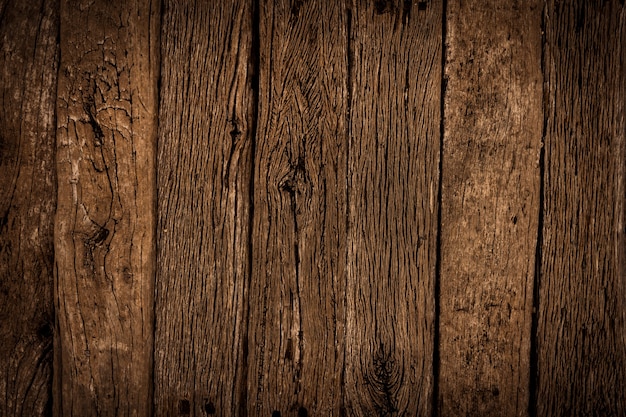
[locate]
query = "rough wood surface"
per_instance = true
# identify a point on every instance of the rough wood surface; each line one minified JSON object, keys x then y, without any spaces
{"x":297,"y":314}
{"x":297,"y":220}
{"x":28,"y":72}
{"x":393,"y":181}
{"x":204,"y":174}
{"x":104,"y":231}
{"x":490,"y":205}
{"x":581,"y":338}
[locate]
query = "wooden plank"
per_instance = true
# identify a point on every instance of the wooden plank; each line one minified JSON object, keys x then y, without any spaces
{"x":204,"y":175}
{"x":490,"y":206}
{"x":393,"y":186}
{"x":299,"y":238}
{"x":28,"y":76}
{"x":582,"y":315}
{"x":104,"y":231}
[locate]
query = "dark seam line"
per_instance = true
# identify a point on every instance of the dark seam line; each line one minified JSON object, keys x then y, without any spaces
{"x":534,"y":354}
{"x":437,"y":289}
{"x":155,"y":205}
{"x":255,"y":58}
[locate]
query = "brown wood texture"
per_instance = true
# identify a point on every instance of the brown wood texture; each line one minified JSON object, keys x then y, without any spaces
{"x":204,"y":175}
{"x":581,"y":338}
{"x":297,"y":314}
{"x":490,"y":206}
{"x":28,"y":70}
{"x":313,"y":208}
{"x":393,"y":181}
{"x":104,"y":230}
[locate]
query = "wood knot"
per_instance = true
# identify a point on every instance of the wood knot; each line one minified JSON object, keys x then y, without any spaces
{"x":235,"y":132}
{"x":296,"y":181}
{"x":89,"y":107}
{"x":295,"y":8}
{"x":45,"y":331}
{"x":209,"y":408}
{"x":127,"y":274}
{"x":383,"y":381}
{"x":289,"y":350}
{"x":98,"y":237}
{"x":4,"y":221}
{"x":383,"y":6}
{"x":406,"y":10}
{"x":184,"y":407}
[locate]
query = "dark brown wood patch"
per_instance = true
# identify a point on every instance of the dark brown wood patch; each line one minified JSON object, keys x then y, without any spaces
{"x":582,"y":292}
{"x":393,"y":182}
{"x":297,"y":313}
{"x":28,"y":72}
{"x":204,"y":175}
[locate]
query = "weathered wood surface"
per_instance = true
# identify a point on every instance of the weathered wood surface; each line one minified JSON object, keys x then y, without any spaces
{"x":204,"y":176}
{"x":297,"y":313}
{"x":393,"y":181}
{"x":490,"y":205}
{"x":581,"y":337}
{"x":28,"y":70}
{"x":104,"y":231}
{"x":300,"y":218}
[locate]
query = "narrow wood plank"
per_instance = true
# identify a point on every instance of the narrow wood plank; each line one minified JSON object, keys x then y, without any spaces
{"x":299,"y":239}
{"x":28,"y":75}
{"x":204,"y":175}
{"x":582,"y":314}
{"x":106,"y":132}
{"x":393,"y":185}
{"x":490,"y":205}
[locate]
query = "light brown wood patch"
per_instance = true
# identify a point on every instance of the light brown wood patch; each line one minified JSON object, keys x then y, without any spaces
{"x":490,"y":206}
{"x":104,"y":230}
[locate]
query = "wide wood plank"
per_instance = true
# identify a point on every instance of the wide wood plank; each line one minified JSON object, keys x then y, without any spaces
{"x":204,"y":174}
{"x":104,"y":231}
{"x":393,"y":182}
{"x":581,"y":339}
{"x":297,"y":314}
{"x":490,"y":206}
{"x":28,"y":75}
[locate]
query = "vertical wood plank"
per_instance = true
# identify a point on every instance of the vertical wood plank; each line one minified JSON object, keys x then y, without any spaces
{"x":299,"y":237}
{"x":204,"y":174}
{"x":490,"y":206}
{"x":581,"y":338}
{"x":104,"y":273}
{"x":28,"y":76}
{"x":393,"y":183}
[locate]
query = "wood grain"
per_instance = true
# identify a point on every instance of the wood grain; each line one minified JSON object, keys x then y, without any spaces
{"x":28,"y":74}
{"x":490,"y":206}
{"x":204,"y":174}
{"x":581,"y":338}
{"x":393,"y":183}
{"x":297,"y":314}
{"x":104,"y":231}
